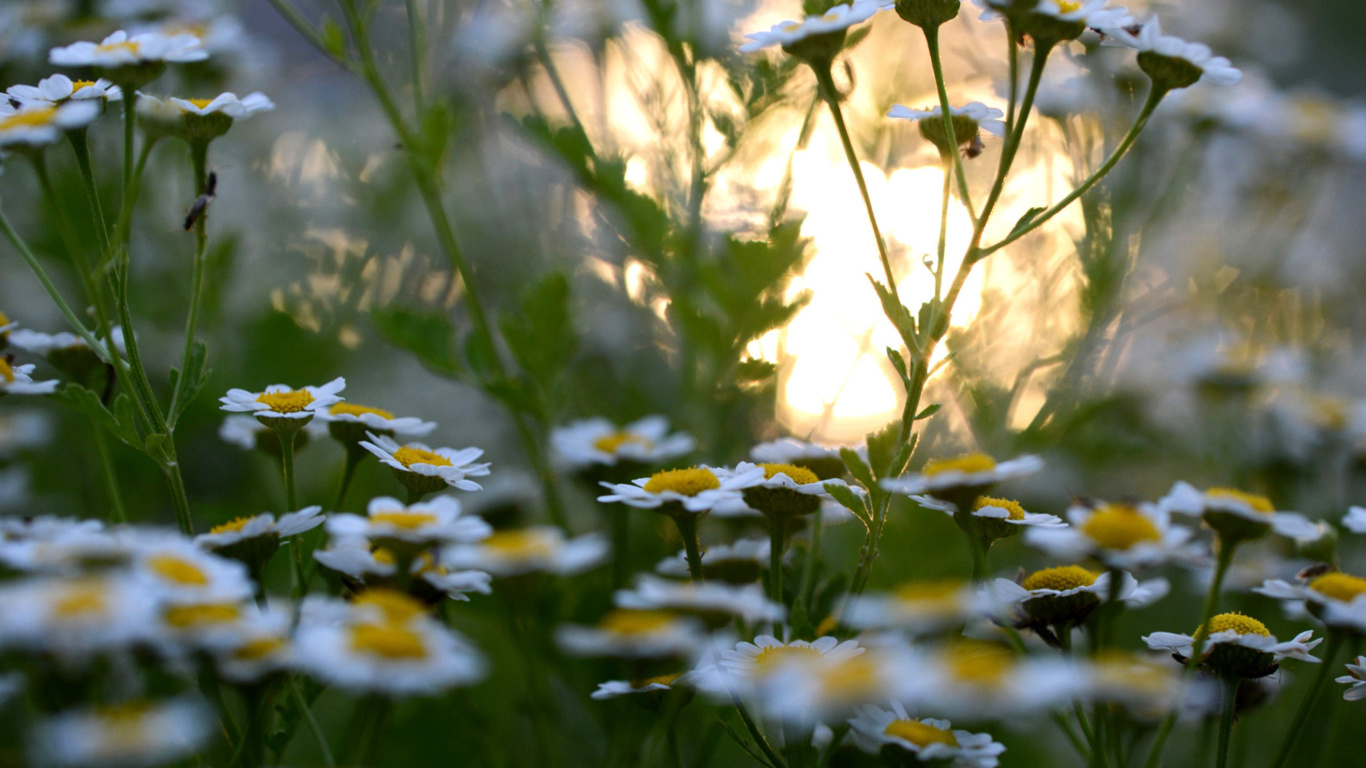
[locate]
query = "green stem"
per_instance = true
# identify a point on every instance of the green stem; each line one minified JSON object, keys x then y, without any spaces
{"x":943,"y":228}
{"x":1016,"y":137}
{"x":117,"y":512}
{"x":104,"y":353}
{"x":67,"y":233}
{"x":756,"y":734}
{"x":1154,"y":97}
{"x":199,"y":157}
{"x":827,"y":85}
{"x":777,"y":538}
{"x":312,"y":723}
{"x":130,"y":116}
{"x":354,"y":456}
{"x":81,"y":148}
{"x":417,"y":48}
{"x":1228,"y":687}
{"x":179,"y":499}
{"x":687,"y":530}
{"x":621,"y":541}
{"x":808,"y":582}
{"x":287,"y":464}
{"x":946,"y":110}
{"x":1330,"y":652}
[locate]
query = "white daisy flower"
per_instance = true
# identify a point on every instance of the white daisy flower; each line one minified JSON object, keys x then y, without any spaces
{"x":22,"y":430}
{"x":384,"y":643}
{"x":227,"y":104}
{"x":423,"y":469}
{"x":279,"y":401}
{"x":1355,"y":680}
{"x":1122,"y":536}
{"x":1171,"y":61}
{"x":527,"y":550}
{"x":740,"y":666}
{"x":38,"y":124}
{"x":592,"y":442}
{"x":807,"y":688}
{"x":67,"y":546}
{"x":696,"y":490}
{"x":739,"y":562}
{"x":349,"y":422}
{"x":837,"y":19}
{"x":919,"y":607}
{"x":260,"y":647}
{"x":428,"y":523}
{"x":1337,"y":599}
{"x":1355,"y":520}
{"x":44,"y":344}
{"x":1142,"y":684}
{"x":75,"y":618}
{"x":614,"y":688}
{"x":1231,"y":637}
{"x":58,"y":88}
{"x":178,"y":571}
{"x":1005,"y":511}
{"x":120,"y":50}
{"x":824,"y":460}
{"x":231,"y":538}
{"x":247,"y":433}
{"x":713,"y":602}
{"x":1067,"y":594}
{"x":17,"y":380}
{"x":215,"y":627}
{"x":1238,"y":514}
{"x":1083,"y":11}
{"x":635,"y":634}
{"x":970,"y":471}
{"x":983,"y":680}
{"x":781,"y":477}
{"x":369,"y":565}
{"x":975,"y":115}
{"x":133,"y":733}
{"x":928,"y":739}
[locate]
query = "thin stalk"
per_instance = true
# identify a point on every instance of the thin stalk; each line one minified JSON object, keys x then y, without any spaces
{"x":756,"y":734}
{"x":621,"y":543}
{"x":1013,"y":53}
{"x":943,"y":228}
{"x":808,"y":581}
{"x":354,"y":456}
{"x":117,"y":512}
{"x":1154,"y":97}
{"x":1330,"y":652}
{"x":687,"y":530}
{"x":305,"y":28}
{"x":80,"y":147}
{"x":946,"y":114}
{"x":1016,"y":137}
{"x":287,"y":465}
{"x":312,"y":723}
{"x":777,"y":538}
{"x":827,"y":85}
{"x":179,"y":499}
{"x":21,"y":246}
{"x":199,"y":157}
{"x":1228,"y":687}
{"x":67,"y":232}
{"x":417,"y":48}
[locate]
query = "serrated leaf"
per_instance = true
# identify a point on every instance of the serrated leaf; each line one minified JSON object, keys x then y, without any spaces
{"x":428,"y":335}
{"x":541,"y":334}
{"x":851,"y":501}
{"x":858,"y":467}
{"x":120,"y":423}
{"x":882,"y":446}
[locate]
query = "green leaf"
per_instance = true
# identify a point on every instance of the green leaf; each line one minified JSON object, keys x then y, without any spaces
{"x":188,"y":384}
{"x":858,"y":467}
{"x":928,"y":411}
{"x":851,"y":501}
{"x":334,"y":40}
{"x":428,"y":335}
{"x":120,"y":423}
{"x":882,"y":447}
{"x":541,"y":333}
{"x":481,"y":357}
{"x":1023,"y":224}
{"x":752,"y":371}
{"x":438,"y":125}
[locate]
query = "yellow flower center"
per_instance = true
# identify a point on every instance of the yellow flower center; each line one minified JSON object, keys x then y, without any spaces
{"x":979,"y":662}
{"x":4,"y":319}
{"x":685,"y":482}
{"x":28,"y":118}
{"x":967,"y":463}
{"x":628,"y":622}
{"x":790,"y":26}
{"x":76,"y":85}
{"x":1120,"y":526}
{"x":232,"y":526}
{"x":920,"y":734}
{"x":798,"y":475}
{"x":289,"y":401}
{"x":1061,"y":578}
{"x":351,"y":409}
{"x":1259,"y":503}
{"x":183,"y":616}
{"x":1068,"y":6}
{"x":929,"y":591}
{"x":1236,"y":622}
{"x":390,"y":641}
{"x":408,"y":456}
{"x":405,"y":519}
{"x":259,"y":648}
{"x":126,"y":45}
{"x":1012,"y":507}
{"x":521,"y":544}
{"x":80,"y":600}
{"x":180,"y":571}
{"x":610,"y":443}
{"x":397,"y":607}
{"x":656,"y":680}
{"x":6,"y":372}
{"x":851,"y":678}
{"x":1339,"y":586}
{"x":201,"y":103}
{"x":775,"y":655}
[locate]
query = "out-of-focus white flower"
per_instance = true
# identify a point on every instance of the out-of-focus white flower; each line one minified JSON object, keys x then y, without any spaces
{"x":737,"y":668}
{"x":1067,"y":594}
{"x":919,"y":607}
{"x":592,"y":442}
{"x":984,"y":680}
{"x":986,"y":118}
{"x":17,"y":380}
{"x":279,"y":401}
{"x":350,"y":417}
{"x":526,"y":550}
{"x":1337,"y":599}
{"x":1355,"y":680}
{"x":247,"y":433}
{"x":739,"y":562}
{"x":427,"y":523}
{"x":696,"y":490}
{"x":1120,"y":536}
{"x":178,"y":571}
{"x":1006,"y":511}
{"x":635,"y":634}
{"x":428,"y":469}
{"x":120,"y":50}
{"x":37,"y":124}
{"x":614,"y":688}
{"x":1236,"y":631}
{"x":227,"y":104}
{"x":1227,"y":509}
{"x":971,"y":471}
{"x":243,"y":529}
{"x":1197,"y":56}
{"x":58,"y":88}
{"x":364,"y":563}
{"x":260,"y":646}
{"x":1355,"y":520}
{"x":837,"y":19}
{"x":1147,"y":687}
{"x":44,"y":344}
{"x":23,"y":429}
{"x":927,"y":739}
{"x":133,"y":733}
{"x":73,"y":619}
{"x":709,"y":601}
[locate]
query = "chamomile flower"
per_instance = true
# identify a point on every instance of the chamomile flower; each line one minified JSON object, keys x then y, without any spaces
{"x":365,"y":564}
{"x":658,"y":684}
{"x":635,"y":634}
{"x":998,"y":517}
{"x":982,"y":680}
{"x":38,"y":125}
{"x":428,"y":523}
{"x":1124,"y":536}
{"x":423,"y":469}
{"x":260,"y":647}
{"x":63,"y":342}
{"x":780,"y":490}
{"x":696,"y":490}
{"x":791,"y":33}
{"x":1337,"y":599}
{"x":349,"y":423}
{"x":969,"y":474}
{"x":919,"y":607}
{"x":58,"y":88}
{"x":227,"y":104}
{"x":591,"y":442}
{"x":282,"y":407}
{"x":713,"y":602}
{"x":254,"y":538}
{"x":1170,"y":61}
{"x":1355,"y":680}
{"x":247,"y":433}
{"x":134,"y":733}
{"x":120,"y":50}
{"x":540,"y":548}
{"x":1140,"y":683}
{"x":1237,"y":645}
{"x":1355,"y":520}
{"x":17,"y":380}
{"x":203,"y":626}
{"x":179,"y":571}
{"x":823,"y":460}
{"x":808,"y":688}
{"x":969,"y":121}
{"x":739,"y":562}
{"x":1237,"y":515}
{"x":1067,"y":594}
{"x":384,"y":643}
{"x":929,"y":740}
{"x":747,"y":661}
{"x":75,"y":618}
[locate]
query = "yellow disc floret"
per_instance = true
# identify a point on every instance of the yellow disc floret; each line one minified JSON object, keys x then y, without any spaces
{"x":390,"y":641}
{"x":610,"y":443}
{"x":1068,"y":6}
{"x":351,"y":409}
{"x":259,"y":648}
{"x":183,"y":616}
{"x":1236,"y":622}
{"x":929,"y":591}
{"x":1120,"y":526}
{"x":81,"y":599}
{"x":776,"y":655}
{"x":406,"y":519}
{"x":629,"y":622}
{"x":920,"y":734}
{"x":232,"y":526}
{"x":409,"y":455}
{"x":1013,"y":508}
{"x":29,"y":118}
{"x":520,"y":544}
{"x":201,"y":103}
{"x":1339,"y":586}
{"x":967,"y":463}
{"x":396,"y":606}
{"x":685,"y":482}
{"x":76,"y":85}
{"x":1061,"y":578}
{"x":175,"y":569}
{"x":798,"y":475}
{"x":656,"y":680}
{"x":288,"y":401}
{"x":6,"y":372}
{"x":980,"y":663}
{"x":1257,"y":503}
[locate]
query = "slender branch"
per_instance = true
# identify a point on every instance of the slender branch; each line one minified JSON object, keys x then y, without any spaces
{"x":305,"y":28}
{"x":946,"y":114}
{"x":21,"y":245}
{"x":312,"y":723}
{"x":417,"y":49}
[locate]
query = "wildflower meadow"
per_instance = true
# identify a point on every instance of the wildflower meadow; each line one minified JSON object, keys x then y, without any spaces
{"x":682,"y":383}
